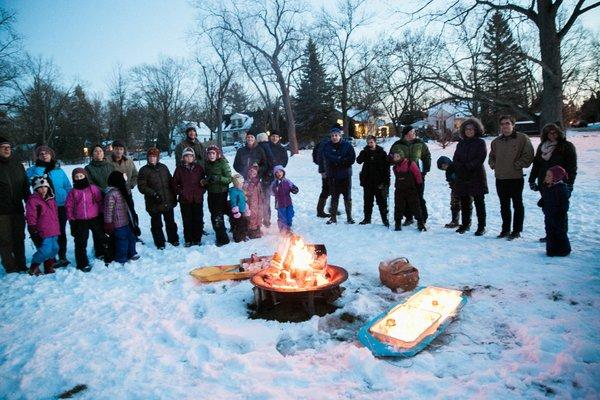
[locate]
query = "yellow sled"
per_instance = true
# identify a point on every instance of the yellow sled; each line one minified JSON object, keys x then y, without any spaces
{"x":220,"y":273}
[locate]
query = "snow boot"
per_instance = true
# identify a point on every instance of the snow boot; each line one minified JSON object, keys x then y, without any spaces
{"x":480,"y":231}
{"x":463,"y":228}
{"x":398,"y":227}
{"x":332,"y":220}
{"x":408,"y":221}
{"x":87,"y":268}
{"x":452,"y":224}
{"x":514,"y":235}
{"x":35,"y":269}
{"x":421,"y":226}
{"x":365,"y":221}
{"x":543,"y":240}
{"x":49,"y":266}
{"x":63,"y":262}
{"x":348,"y":206}
{"x":503,"y":234}
{"x":321,"y":208}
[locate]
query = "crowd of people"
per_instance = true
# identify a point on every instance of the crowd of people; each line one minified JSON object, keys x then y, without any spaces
{"x":100,"y":200}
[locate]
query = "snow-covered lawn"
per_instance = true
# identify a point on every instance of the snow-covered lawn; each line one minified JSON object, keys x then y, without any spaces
{"x":146,"y":330}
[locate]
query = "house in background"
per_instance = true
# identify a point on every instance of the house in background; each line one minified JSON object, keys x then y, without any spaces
{"x":203,"y":132}
{"x":362,"y":123}
{"x":235,"y":127}
{"x":447,"y":115}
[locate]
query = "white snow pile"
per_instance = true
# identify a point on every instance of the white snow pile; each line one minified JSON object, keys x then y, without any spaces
{"x":147,"y":330}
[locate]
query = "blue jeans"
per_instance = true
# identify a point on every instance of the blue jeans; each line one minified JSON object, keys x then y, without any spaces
{"x":284,"y":218}
{"x":124,"y":244}
{"x":47,"y":250}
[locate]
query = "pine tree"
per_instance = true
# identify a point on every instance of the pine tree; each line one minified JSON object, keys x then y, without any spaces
{"x":504,"y":76}
{"x":236,"y":98}
{"x":314,"y":103}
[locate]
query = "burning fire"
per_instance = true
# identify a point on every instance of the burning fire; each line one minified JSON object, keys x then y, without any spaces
{"x":410,"y":322}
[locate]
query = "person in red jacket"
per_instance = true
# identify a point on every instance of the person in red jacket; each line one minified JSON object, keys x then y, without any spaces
{"x":41,"y":213}
{"x":189,"y":180}
{"x":406,"y":195}
{"x":83,"y":207}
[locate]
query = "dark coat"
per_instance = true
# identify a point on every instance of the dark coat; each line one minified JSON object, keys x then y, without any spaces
{"x":14,"y":186}
{"x":564,"y":155}
{"x":317,"y":155}
{"x":187,"y":183}
{"x":247,"y":156}
{"x":154,"y":179}
{"x":416,"y":150}
{"x":280,"y":155}
{"x":555,"y":203}
{"x":468,"y":161}
{"x":337,"y":159}
{"x":269,"y":157}
{"x":376,"y":168}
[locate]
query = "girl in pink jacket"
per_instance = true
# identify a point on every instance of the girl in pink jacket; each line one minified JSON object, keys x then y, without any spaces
{"x":41,"y":213}
{"x":83,"y":207}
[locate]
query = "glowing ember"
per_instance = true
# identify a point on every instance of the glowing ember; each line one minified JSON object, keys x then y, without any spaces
{"x":420,"y":316}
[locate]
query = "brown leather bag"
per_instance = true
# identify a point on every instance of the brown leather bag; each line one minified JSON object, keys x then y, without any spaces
{"x":398,"y":273}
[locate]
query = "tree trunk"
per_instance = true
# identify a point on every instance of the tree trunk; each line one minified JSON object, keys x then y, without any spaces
{"x":552,"y":93}
{"x":220,"y":124}
{"x":344,"y":105}
{"x":287,"y":105}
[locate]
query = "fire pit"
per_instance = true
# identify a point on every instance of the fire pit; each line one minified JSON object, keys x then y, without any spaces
{"x":298,"y":273}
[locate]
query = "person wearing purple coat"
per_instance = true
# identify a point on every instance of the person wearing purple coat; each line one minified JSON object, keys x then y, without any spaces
{"x":471,"y":182}
{"x":281,"y":189}
{"x":41,"y":214}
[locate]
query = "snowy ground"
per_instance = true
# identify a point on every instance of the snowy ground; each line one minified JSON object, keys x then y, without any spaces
{"x":146,"y":330}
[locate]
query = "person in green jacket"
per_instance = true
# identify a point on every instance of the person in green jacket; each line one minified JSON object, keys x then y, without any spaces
{"x":99,"y":168}
{"x":413,"y":148}
{"x":218,"y":176}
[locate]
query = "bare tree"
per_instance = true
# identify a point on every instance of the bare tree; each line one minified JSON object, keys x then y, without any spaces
{"x":10,"y":52}
{"x":167,"y":91}
{"x":351,"y":56}
{"x":271,"y":29}
{"x":545,"y":17}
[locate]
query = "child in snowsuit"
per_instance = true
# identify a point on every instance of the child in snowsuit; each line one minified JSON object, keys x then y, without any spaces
{"x":41,"y":213}
{"x":237,"y":202}
{"x":281,"y":189}
{"x":118,"y":218}
{"x":83,"y":206}
{"x":218,"y":179}
{"x":445,"y":164}
{"x":254,"y":199}
{"x":555,"y":204}
{"x":189,"y":180}
{"x":406,"y":194}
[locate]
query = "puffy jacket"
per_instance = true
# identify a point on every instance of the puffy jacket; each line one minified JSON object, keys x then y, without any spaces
{"x":221,"y":171}
{"x":115,"y":208}
{"x":280,"y":155}
{"x":127,"y":167}
{"x":270,"y":159}
{"x":187,"y":182}
{"x":246,"y":156}
{"x":154,"y":179}
{"x":509,"y":155}
{"x":43,"y":215}
{"x":281,"y":189}
{"x":337,"y":159}
{"x":198,"y":149}
{"x":237,"y":198}
{"x":469,"y":159}
{"x":14,"y":186}
{"x":376,"y":168}
{"x":59,"y":181}
{"x":564,"y":154}
{"x":83,"y":204}
{"x":408,"y":176}
{"x":98,"y":172}
{"x":254,"y":200}
{"x":416,"y":150}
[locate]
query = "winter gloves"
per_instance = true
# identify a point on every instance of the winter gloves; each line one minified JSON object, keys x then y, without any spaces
{"x":533,"y":186}
{"x":294,"y":189}
{"x":213,"y":179}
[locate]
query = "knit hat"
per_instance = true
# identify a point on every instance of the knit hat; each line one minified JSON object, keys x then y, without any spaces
{"x":262,"y":137}
{"x":237,"y":179}
{"x":190,"y":127}
{"x":188,"y":151}
{"x":407,"y":129}
{"x":39,"y":181}
{"x":278,"y":168}
{"x":4,"y":140}
{"x":118,"y":143}
{"x":78,"y":170}
{"x":337,"y":128}
{"x":214,"y":148}
{"x":558,"y":173}
{"x":45,"y":148}
{"x":443,"y":160}
{"x":153,"y":151}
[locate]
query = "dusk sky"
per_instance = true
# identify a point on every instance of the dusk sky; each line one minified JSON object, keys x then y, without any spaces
{"x":87,"y":39}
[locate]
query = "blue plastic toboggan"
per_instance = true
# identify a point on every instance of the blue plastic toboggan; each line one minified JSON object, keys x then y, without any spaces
{"x":380,"y":349}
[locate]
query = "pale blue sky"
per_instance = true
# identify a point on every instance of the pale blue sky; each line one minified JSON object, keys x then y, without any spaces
{"x":88,"y":38}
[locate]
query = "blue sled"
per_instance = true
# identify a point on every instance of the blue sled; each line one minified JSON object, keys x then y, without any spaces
{"x":380,"y":349}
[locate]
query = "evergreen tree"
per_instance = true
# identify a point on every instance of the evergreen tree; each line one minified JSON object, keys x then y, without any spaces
{"x":314,"y":103}
{"x":236,"y":98}
{"x":590,"y":109}
{"x":504,"y":76}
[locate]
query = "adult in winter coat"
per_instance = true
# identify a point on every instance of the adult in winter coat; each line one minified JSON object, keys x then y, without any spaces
{"x":46,"y":164}
{"x":83,"y":207}
{"x":555,"y":204}
{"x":413,"y":148}
{"x":127,"y":167}
{"x":317,"y":156}
{"x":118,"y":221}
{"x":471,"y":182}
{"x":191,"y":140}
{"x":218,"y":177}
{"x":154,"y":182}
{"x":375,"y":179}
{"x":14,"y":189}
{"x":337,"y":158}
{"x":99,"y":168}
{"x":249,"y":155}
{"x":510,"y":153}
{"x":189,"y":180}
{"x":263,"y":142}
{"x":280,"y":154}
{"x":42,"y":218}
